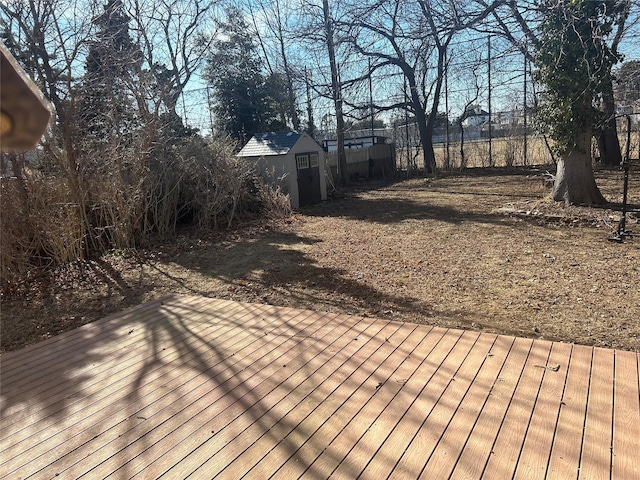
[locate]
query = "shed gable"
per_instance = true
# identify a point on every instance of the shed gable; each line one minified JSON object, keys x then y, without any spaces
{"x":267,"y":144}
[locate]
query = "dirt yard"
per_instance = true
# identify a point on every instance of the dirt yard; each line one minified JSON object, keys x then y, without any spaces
{"x":484,"y":250}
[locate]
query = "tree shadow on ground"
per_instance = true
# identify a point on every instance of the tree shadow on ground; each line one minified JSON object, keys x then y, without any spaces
{"x":275,"y":265}
{"x":45,"y":385}
{"x":190,"y":369}
{"x":396,"y":210}
{"x":87,"y":287}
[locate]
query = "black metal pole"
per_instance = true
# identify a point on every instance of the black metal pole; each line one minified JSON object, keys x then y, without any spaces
{"x":625,"y":165}
{"x":371,"y":104}
{"x":446,"y":103}
{"x":525,"y":161}
{"x":489,"y":100}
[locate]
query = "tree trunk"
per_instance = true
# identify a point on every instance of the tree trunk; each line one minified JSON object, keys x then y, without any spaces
{"x":428,"y":152}
{"x":608,"y":142}
{"x":423,"y":127}
{"x":463,"y":160}
{"x":575,"y":183}
{"x":337,"y":95}
{"x":609,"y":145}
{"x":342,"y":156}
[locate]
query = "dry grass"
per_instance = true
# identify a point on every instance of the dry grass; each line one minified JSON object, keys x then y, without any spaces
{"x":485,"y":250}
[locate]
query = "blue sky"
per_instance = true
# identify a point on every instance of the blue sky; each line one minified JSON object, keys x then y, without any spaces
{"x":506,"y":70}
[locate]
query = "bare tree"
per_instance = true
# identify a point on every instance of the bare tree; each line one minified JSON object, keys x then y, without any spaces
{"x":317,"y":37}
{"x":607,"y":130}
{"x":49,"y":38}
{"x":413,"y":37}
{"x":469,"y":107}
{"x":174,"y":36}
{"x":275,"y":32}
{"x":336,"y":90}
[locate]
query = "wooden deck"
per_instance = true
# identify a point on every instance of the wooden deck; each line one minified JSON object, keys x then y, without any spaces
{"x":189,"y":387}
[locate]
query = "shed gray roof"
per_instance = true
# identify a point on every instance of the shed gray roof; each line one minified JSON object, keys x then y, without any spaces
{"x":265,"y":144}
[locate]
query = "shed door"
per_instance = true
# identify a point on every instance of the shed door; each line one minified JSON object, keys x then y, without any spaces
{"x":308,"y":178}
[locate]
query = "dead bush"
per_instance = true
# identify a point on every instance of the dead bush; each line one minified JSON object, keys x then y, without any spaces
{"x":19,"y":240}
{"x":119,"y":197}
{"x":275,"y":204}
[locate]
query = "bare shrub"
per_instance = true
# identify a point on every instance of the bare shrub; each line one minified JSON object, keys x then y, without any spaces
{"x":273,"y":201}
{"x":19,"y":241}
{"x":510,"y":151}
{"x":40,"y":224}
{"x":114,"y":213}
{"x":56,"y":218}
{"x":213,"y":183}
{"x":126,"y":197}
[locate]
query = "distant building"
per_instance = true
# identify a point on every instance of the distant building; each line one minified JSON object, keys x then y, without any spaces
{"x":331,"y":145}
{"x":475,"y":117}
{"x":509,"y":118}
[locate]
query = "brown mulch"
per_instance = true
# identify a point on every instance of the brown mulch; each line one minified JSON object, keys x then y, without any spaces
{"x":484,"y":250}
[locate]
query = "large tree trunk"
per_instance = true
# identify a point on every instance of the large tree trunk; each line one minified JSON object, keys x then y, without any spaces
{"x":575,"y":183}
{"x":428,"y":152}
{"x":423,"y":127}
{"x":609,"y":145}
{"x":608,"y":141}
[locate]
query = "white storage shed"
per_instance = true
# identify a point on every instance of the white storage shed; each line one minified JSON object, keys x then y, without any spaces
{"x":293,"y":160}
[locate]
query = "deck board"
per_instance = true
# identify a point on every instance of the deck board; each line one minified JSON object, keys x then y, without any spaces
{"x":596,"y":458}
{"x":477,"y":449}
{"x":536,"y":449}
{"x":191,"y":387}
{"x":453,"y":440}
{"x":565,"y":452}
{"x":507,"y":445}
{"x":626,"y":411}
{"x":345,"y":395}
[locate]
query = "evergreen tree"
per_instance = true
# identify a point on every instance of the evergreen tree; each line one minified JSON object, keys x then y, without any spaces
{"x":242,"y":104}
{"x":106,"y":108}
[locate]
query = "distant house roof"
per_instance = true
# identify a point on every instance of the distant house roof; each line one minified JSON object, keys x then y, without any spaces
{"x":476,"y":112}
{"x":273,"y":143}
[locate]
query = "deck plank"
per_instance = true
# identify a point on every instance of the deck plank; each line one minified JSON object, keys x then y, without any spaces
{"x":595,"y":461}
{"x":78,"y":358}
{"x":507,"y":446}
{"x":536,"y":450}
{"x":126,"y":364}
{"x":477,"y":449}
{"x":105,"y":414}
{"x":626,"y":411}
{"x":345,"y":397}
{"x":186,"y":387}
{"x":452,"y":442}
{"x":268,"y":390}
{"x":441,"y":397}
{"x":287,"y":431}
{"x":567,"y":443}
{"x":360,"y":438}
{"x":410,"y":407}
